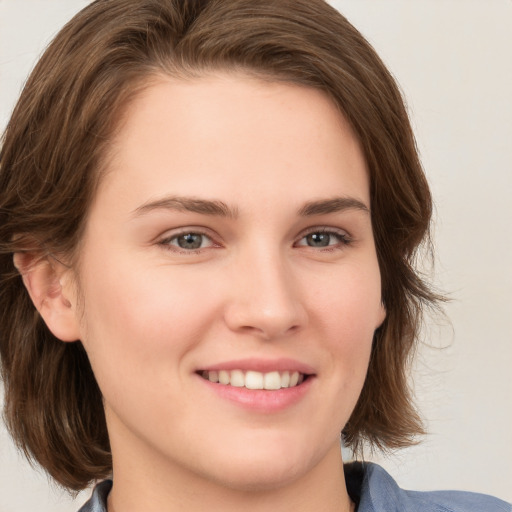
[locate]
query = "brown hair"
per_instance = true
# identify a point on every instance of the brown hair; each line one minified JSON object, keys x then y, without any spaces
{"x":50,"y":166}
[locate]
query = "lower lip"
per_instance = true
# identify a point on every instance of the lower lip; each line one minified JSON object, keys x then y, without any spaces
{"x":261,"y":400}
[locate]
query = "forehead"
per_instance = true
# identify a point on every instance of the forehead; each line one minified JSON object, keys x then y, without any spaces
{"x":220,"y":133}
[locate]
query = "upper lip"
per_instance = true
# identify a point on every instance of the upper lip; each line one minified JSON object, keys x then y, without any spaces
{"x":262,"y":365}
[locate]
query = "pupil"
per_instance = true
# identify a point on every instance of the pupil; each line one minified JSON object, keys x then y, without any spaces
{"x":190,"y":241}
{"x":318,"y":239}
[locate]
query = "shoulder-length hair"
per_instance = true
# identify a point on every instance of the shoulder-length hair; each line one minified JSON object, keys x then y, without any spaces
{"x":52,"y":159}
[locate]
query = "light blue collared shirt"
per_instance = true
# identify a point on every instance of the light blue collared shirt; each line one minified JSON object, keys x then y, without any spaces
{"x":373,"y":490}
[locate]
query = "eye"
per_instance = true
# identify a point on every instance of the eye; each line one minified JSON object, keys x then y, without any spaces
{"x":321,"y":238}
{"x":188,"y":241}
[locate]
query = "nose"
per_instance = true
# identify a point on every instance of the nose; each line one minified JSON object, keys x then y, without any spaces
{"x":265,"y":299}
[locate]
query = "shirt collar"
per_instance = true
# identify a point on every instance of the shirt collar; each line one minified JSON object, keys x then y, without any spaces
{"x":373,"y":490}
{"x":98,"y":501}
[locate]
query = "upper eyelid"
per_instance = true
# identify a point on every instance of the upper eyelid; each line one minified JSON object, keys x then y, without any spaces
{"x":208,"y":232}
{"x":344,"y":237}
{"x":333,"y":229}
{"x":324,"y":229}
{"x":173,"y":233}
{"x":214,"y":238}
{"x":169,"y":244}
{"x":165,"y":242}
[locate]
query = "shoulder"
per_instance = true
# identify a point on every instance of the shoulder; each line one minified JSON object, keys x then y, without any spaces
{"x":98,"y":500}
{"x":376,"y":491}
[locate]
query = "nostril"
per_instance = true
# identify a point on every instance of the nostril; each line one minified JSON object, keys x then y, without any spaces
{"x":268,"y":307}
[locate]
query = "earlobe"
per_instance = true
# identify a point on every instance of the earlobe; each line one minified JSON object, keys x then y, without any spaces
{"x":46,"y":283}
{"x":381,"y":315}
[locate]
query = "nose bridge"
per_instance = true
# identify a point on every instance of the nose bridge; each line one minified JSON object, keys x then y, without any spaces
{"x":266,"y":298}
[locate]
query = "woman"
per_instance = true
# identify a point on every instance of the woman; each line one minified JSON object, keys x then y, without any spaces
{"x":214,"y":208}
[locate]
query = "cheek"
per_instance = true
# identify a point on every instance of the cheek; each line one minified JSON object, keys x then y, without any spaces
{"x":348,"y":308}
{"x":141,"y":321}
{"x":348,"y":300}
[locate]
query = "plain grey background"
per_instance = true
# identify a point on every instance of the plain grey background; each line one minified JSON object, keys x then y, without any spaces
{"x":453,"y":59}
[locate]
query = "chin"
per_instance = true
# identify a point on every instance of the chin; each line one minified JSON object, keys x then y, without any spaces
{"x":258,"y":477}
{"x":261,"y":468}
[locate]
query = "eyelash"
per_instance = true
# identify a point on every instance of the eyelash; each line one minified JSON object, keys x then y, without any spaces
{"x":166,"y":242}
{"x":344,"y":240}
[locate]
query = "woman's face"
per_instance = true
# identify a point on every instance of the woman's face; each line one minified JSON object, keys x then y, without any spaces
{"x":230,"y":239}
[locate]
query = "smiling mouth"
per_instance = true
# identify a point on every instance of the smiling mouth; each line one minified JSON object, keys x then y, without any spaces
{"x":255,"y":380}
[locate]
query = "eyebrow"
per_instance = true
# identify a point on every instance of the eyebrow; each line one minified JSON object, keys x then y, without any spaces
{"x":334,"y":205}
{"x":221,"y":209}
{"x":189,"y":204}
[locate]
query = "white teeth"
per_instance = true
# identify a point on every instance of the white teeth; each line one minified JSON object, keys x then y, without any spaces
{"x":294,"y":379}
{"x":255,"y":380}
{"x":285,"y":379}
{"x":237,"y":378}
{"x":224,"y":377}
{"x":272,"y":380}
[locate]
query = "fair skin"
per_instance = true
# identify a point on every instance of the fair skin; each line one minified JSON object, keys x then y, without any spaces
{"x":231,"y":232}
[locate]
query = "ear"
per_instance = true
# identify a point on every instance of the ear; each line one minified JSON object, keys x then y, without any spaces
{"x":381,"y":315}
{"x":48,"y":284}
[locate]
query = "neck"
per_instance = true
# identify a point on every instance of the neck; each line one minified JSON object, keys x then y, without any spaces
{"x":162,"y":487}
